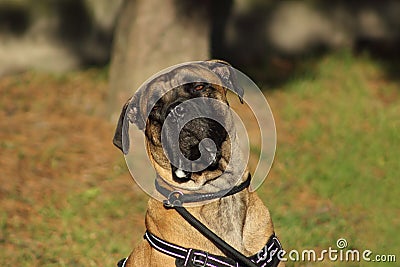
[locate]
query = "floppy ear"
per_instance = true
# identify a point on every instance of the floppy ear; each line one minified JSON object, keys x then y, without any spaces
{"x":129,"y":114}
{"x":227,"y":75}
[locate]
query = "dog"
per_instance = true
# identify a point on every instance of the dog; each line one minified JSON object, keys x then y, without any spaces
{"x":157,"y":108}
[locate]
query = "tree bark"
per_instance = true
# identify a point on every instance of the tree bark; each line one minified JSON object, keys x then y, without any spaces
{"x":152,"y":35}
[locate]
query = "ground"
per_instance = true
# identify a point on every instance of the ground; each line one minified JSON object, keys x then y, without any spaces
{"x":67,"y":198}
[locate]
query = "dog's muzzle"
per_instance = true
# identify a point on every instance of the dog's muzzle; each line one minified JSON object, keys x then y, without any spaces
{"x":199,"y":141}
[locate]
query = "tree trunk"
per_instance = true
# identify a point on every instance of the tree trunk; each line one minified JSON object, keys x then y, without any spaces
{"x":152,"y":35}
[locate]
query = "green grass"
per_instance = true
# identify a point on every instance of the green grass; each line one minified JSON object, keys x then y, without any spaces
{"x":67,"y":198}
{"x":345,"y":155}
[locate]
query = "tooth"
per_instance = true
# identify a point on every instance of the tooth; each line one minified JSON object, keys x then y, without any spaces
{"x":180,"y":173}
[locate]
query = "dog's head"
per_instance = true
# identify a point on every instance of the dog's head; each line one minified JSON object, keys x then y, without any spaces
{"x":185,"y":116}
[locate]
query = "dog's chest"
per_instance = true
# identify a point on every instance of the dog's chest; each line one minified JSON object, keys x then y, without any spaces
{"x":226,"y":218}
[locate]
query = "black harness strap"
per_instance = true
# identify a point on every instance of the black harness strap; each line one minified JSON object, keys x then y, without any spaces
{"x":176,"y":200}
{"x":189,"y":257}
{"x":216,"y":240}
{"x":122,"y":262}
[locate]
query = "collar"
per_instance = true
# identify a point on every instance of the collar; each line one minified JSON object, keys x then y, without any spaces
{"x":178,"y":198}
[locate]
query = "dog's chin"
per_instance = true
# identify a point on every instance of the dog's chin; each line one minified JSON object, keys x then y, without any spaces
{"x":189,"y":185}
{"x":179,"y":175}
{"x":196,"y":181}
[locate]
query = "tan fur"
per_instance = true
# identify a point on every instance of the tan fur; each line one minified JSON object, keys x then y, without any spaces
{"x":246,"y":227}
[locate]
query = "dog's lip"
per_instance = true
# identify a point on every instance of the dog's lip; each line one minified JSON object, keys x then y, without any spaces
{"x":179,"y":175}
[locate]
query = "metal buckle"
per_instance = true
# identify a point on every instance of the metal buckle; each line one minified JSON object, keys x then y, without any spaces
{"x":195,"y":259}
{"x":173,"y":199}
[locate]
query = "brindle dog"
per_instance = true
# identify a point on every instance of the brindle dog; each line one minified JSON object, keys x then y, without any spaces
{"x":241,"y":219}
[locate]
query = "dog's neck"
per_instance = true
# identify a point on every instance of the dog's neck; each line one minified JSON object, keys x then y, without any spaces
{"x":225,"y":217}
{"x":176,"y":196}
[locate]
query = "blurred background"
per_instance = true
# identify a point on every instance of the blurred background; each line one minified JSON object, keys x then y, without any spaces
{"x":329,"y":69}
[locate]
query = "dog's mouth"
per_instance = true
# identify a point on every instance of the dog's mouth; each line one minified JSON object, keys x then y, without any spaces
{"x":179,"y":175}
{"x":200,"y":150}
{"x":209,"y":161}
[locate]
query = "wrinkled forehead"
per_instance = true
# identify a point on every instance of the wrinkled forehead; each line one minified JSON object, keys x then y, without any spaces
{"x":182,"y":75}
{"x":156,"y":87}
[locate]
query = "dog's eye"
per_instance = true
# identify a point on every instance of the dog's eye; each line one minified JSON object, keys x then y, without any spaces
{"x":199,"y":87}
{"x":156,"y":108}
